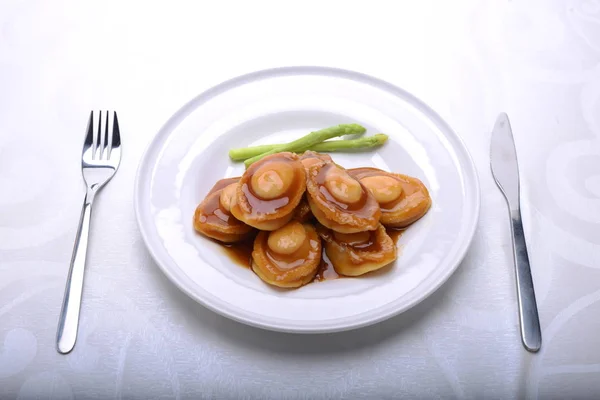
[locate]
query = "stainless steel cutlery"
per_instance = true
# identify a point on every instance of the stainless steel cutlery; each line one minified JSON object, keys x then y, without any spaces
{"x":506,"y":173}
{"x":100,"y":159}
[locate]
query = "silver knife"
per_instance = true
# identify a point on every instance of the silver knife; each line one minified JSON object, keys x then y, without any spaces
{"x":506,"y":173}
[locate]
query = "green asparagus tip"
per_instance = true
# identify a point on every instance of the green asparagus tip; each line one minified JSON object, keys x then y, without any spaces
{"x":354,"y":129}
{"x":381,"y":138}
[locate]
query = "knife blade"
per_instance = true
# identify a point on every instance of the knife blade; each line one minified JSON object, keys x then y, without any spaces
{"x":504,"y":161}
{"x":505,"y":169}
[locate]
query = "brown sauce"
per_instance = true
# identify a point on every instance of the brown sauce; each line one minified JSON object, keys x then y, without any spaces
{"x":394,"y":234}
{"x":371,"y":244}
{"x":260,"y":206}
{"x":213,"y":213}
{"x":240,"y":253}
{"x":285,"y":262}
{"x":360,"y":173}
{"x":326,"y":272}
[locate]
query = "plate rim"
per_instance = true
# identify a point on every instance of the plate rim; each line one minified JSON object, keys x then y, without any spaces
{"x":329,"y":326}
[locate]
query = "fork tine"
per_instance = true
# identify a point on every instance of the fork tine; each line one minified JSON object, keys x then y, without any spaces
{"x":94,"y":141}
{"x":116,"y":134}
{"x":98,"y":137}
{"x":89,"y":137}
{"x":105,"y":138}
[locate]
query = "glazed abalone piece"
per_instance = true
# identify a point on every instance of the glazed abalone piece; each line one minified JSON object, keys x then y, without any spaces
{"x":288,"y":257}
{"x":339,"y":201}
{"x":310,"y":158}
{"x":356,"y":254}
{"x":403,"y":199}
{"x":269,"y":191}
{"x":213,"y":217}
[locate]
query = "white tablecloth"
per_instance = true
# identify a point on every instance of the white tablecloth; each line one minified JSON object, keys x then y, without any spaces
{"x":141,"y":338}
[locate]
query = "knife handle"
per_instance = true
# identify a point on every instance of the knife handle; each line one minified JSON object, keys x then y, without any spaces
{"x":531,"y":333}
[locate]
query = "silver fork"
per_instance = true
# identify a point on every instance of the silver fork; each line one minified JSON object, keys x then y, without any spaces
{"x":99,"y":161}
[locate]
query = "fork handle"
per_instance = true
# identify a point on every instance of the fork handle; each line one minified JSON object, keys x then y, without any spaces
{"x":68,"y":322}
{"x":531,"y":334}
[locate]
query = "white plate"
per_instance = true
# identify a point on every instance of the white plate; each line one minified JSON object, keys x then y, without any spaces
{"x":189,"y":154}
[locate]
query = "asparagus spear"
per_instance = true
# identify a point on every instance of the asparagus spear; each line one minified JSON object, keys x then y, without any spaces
{"x":352,"y":144}
{"x":311,"y":139}
{"x":244,"y":153}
